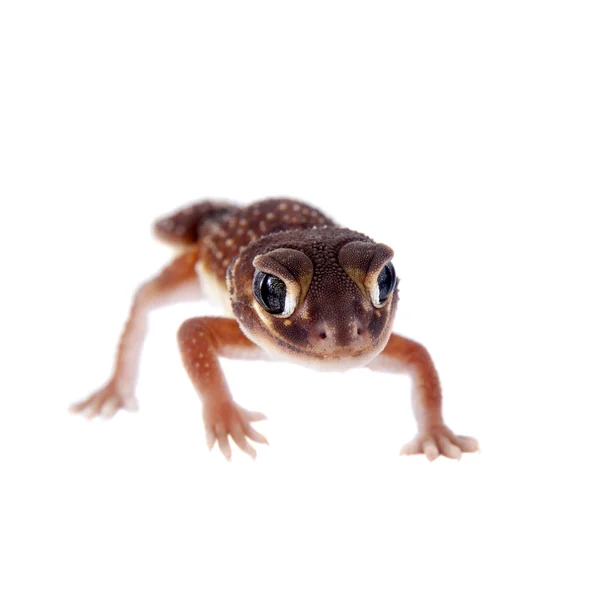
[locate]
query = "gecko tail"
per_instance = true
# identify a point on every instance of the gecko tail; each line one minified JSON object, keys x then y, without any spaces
{"x":183,"y":226}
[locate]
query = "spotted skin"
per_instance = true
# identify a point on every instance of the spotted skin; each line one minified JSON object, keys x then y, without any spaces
{"x":334,"y":318}
{"x":225,"y":238}
{"x":336,"y":327}
{"x":186,"y":226}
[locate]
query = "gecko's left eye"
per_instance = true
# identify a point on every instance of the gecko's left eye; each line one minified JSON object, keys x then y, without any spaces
{"x":271,"y":293}
{"x":386,"y":283}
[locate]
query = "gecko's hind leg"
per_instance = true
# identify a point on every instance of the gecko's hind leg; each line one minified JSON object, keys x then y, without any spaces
{"x":176,"y":282}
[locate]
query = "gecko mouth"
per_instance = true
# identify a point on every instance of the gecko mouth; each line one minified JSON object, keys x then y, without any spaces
{"x":338,"y":360}
{"x":332,"y":355}
{"x":279,"y":345}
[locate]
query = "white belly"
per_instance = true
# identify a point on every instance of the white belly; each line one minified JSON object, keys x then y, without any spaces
{"x":214,"y":290}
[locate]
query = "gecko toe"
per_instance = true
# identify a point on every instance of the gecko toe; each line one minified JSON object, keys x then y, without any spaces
{"x":467,"y":444}
{"x":254,"y":416}
{"x":211,"y":438}
{"x":412,"y":447}
{"x":254,"y":435}
{"x":447,"y":448}
{"x":239,"y":437}
{"x":109,"y":408}
{"x":430,"y":449}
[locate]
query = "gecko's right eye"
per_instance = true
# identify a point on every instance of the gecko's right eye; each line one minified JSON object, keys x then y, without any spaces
{"x":271,"y":293}
{"x":383,"y":287}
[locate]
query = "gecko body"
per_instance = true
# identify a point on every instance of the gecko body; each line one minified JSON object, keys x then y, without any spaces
{"x":294,"y":286}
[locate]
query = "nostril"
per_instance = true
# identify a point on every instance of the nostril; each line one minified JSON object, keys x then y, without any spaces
{"x":323,"y":335}
{"x":358,"y":331}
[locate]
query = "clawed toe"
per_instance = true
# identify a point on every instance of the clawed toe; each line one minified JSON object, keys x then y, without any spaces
{"x":223,"y":440}
{"x":467,"y":444}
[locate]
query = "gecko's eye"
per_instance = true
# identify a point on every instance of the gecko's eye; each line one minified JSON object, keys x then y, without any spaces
{"x":386,"y":283}
{"x":271,"y":293}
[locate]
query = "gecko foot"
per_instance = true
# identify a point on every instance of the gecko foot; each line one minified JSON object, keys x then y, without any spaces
{"x":437,"y":440}
{"x":105,"y":402}
{"x":227,"y":419}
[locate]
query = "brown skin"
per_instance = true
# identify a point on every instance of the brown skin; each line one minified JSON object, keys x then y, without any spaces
{"x":334,"y":317}
{"x":335,"y":325}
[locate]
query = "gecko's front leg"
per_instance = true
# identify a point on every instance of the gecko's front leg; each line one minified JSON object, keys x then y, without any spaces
{"x":402,"y":355}
{"x":201,"y":341}
{"x":177,"y":281}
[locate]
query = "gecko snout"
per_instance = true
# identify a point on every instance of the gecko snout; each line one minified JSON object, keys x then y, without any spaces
{"x":346,"y":334}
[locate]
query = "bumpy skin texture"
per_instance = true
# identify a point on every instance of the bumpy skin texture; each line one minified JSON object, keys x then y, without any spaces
{"x":334,"y":316}
{"x":336,"y":325}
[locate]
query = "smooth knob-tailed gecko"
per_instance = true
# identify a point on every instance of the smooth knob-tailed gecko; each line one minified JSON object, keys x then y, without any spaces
{"x":295,"y":286}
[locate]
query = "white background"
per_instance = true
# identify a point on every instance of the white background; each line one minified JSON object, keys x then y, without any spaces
{"x":463,"y":134}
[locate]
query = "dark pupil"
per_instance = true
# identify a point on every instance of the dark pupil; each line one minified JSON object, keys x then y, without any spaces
{"x":386,"y":281}
{"x":272,"y":292}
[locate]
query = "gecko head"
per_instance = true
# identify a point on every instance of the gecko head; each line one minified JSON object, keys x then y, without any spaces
{"x":323,"y":297}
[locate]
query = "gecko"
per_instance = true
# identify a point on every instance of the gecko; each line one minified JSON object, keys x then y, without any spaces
{"x":294,"y":286}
